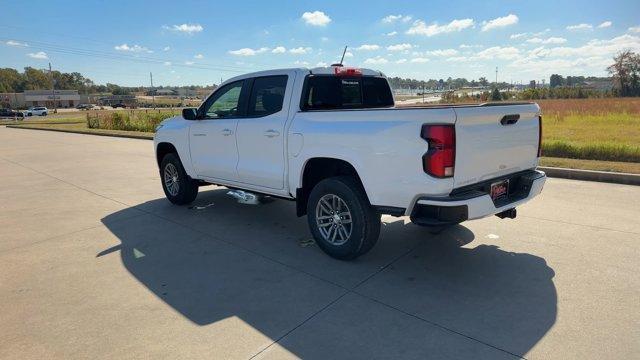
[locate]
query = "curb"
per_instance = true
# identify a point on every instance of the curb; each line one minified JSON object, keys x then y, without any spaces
{"x":564,"y":173}
{"x":128,"y":136}
{"x":592,"y":175}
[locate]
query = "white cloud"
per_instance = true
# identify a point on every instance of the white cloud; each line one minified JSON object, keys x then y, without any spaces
{"x":458,"y":59}
{"x":500,"y":22}
{"x":401,"y":61}
{"x":279,"y":50}
{"x":189,"y":63}
{"x":376,"y":60}
{"x":393,"y":18}
{"x":419,"y":60}
{"x":167,"y":63}
{"x":322,"y":64}
{"x":248,"y":51}
{"x":316,"y":18}
{"x":368,"y":47}
{"x":634,"y":29}
{"x":465,"y":46}
{"x":166,"y":48}
{"x":393,"y":33}
{"x":419,"y":27}
{"x":348,"y":54}
{"x":551,"y":40}
{"x":498,"y":52}
{"x":133,"y":48}
{"x":198,"y":56}
{"x":16,"y":43}
{"x":300,"y":50}
{"x":324,"y":39}
{"x":399,"y":47}
{"x":299,"y":62}
{"x":579,"y":27}
{"x":593,"y":48}
{"x":185,"y":28}
{"x":442,"y":52}
{"x":40,"y":55}
{"x":605,"y":24}
{"x":525,"y":34}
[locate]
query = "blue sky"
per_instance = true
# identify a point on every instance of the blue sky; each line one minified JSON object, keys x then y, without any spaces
{"x":200,"y":42}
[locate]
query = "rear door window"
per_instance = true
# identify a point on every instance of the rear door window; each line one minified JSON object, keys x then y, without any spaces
{"x":267,"y":95}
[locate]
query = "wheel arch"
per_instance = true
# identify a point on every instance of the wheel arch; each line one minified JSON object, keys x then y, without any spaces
{"x":163,"y":149}
{"x":317,"y":169}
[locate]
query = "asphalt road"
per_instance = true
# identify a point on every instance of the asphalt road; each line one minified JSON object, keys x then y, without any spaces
{"x":95,"y":263}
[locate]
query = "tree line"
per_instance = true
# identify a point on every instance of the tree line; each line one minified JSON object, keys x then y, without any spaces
{"x":11,"y":80}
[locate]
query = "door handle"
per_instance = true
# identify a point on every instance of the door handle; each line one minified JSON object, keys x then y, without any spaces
{"x":271,"y":133}
{"x":227,"y":132}
{"x":510,"y":119}
{"x":199,"y":134}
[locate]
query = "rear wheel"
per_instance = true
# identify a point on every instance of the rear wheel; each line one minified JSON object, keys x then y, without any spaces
{"x":341,"y":219}
{"x":178,"y":187}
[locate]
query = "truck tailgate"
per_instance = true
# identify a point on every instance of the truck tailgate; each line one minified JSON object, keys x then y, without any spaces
{"x":490,"y":145}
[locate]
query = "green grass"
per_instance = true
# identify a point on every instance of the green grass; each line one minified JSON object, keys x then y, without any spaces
{"x":610,"y":136}
{"x":625,"y":167}
{"x":141,"y":121}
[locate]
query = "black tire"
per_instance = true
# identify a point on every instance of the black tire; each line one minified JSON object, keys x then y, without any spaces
{"x":187,"y":188}
{"x":365,"y":221}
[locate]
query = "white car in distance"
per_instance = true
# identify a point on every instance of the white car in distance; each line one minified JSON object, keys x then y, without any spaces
{"x":37,"y":111}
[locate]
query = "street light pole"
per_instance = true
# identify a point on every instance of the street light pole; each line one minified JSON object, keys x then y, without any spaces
{"x":53,"y":91}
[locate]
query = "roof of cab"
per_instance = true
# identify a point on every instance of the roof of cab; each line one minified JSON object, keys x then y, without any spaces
{"x":326,"y":70}
{"x":330,"y":70}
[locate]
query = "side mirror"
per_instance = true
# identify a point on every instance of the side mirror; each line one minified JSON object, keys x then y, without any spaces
{"x":190,"y":113}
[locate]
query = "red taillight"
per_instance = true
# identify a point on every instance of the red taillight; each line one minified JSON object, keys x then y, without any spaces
{"x":539,"y":136}
{"x":439,"y":161}
{"x":345,"y":71}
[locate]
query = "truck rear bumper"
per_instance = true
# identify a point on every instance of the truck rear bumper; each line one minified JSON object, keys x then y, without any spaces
{"x":474,"y":201}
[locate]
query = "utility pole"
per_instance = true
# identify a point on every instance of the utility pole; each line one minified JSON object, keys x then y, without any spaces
{"x":53,"y":90}
{"x":496,"y":76}
{"x":153,"y":94}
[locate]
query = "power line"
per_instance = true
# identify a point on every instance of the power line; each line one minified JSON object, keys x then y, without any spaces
{"x":125,"y":57}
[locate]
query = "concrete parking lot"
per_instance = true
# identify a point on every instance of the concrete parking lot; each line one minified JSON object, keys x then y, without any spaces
{"x":95,"y":263}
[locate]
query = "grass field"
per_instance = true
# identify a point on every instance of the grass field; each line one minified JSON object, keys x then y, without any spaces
{"x":594,"y":129}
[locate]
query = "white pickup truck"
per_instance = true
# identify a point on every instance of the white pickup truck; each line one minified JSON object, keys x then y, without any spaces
{"x":331,"y":140}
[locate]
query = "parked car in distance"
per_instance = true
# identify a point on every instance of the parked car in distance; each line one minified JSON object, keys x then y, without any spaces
{"x":332,"y":140}
{"x":37,"y":110}
{"x":8,"y":113}
{"x":119,"y":106}
{"x":84,"y":107}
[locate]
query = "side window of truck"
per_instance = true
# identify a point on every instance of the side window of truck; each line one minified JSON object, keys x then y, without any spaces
{"x":267,"y":95}
{"x":225,"y":102}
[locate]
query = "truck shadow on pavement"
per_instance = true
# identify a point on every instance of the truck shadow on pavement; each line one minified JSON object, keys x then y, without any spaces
{"x":227,"y":260}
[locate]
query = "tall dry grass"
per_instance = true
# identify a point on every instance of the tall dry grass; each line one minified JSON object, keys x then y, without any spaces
{"x":595,"y":129}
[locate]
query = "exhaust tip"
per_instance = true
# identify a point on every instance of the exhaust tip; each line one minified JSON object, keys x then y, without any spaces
{"x":509,"y":213}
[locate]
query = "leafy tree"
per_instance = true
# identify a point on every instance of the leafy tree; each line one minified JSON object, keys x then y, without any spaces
{"x":626,"y":73}
{"x":495,"y":94}
{"x":556,"y":80}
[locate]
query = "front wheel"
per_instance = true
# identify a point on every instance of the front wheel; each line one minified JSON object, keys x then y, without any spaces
{"x":178,"y":187}
{"x":342,"y":221}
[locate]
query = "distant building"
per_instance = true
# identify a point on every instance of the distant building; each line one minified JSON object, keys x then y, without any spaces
{"x":162,"y":92}
{"x":48,"y":98}
{"x":127,"y":100}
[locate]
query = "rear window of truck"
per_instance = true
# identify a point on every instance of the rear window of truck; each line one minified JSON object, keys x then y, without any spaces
{"x":328,"y":92}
